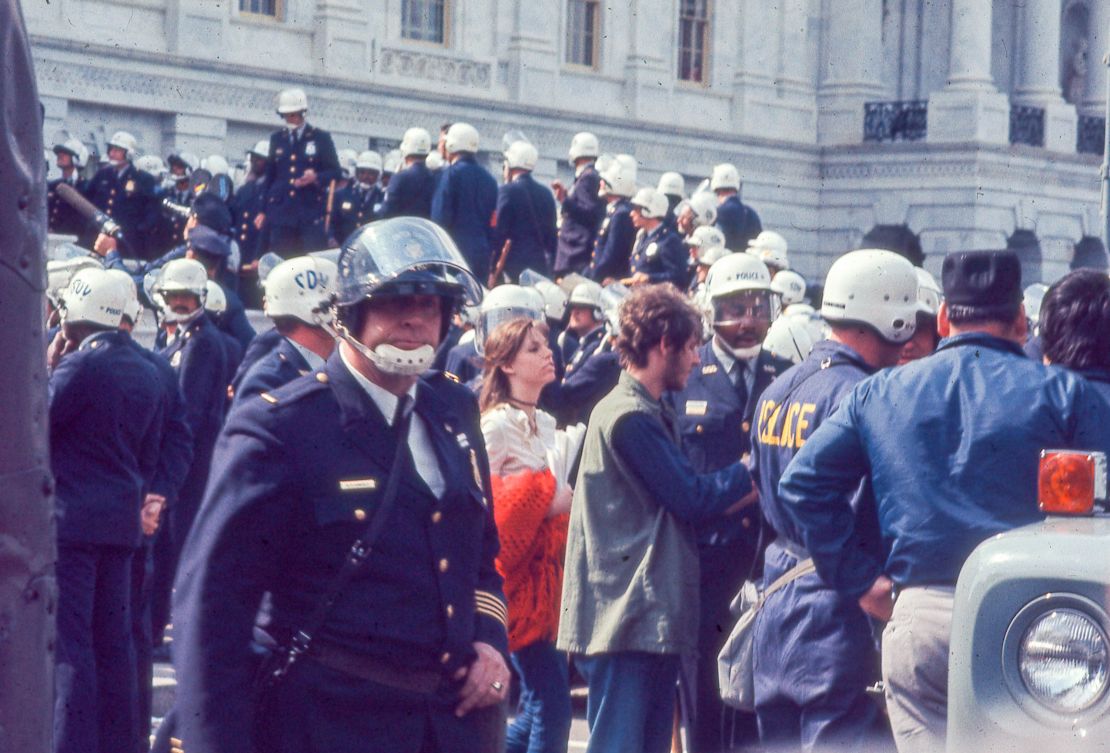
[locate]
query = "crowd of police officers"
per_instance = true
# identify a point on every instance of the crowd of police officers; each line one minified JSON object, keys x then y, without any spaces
{"x":250,"y":470}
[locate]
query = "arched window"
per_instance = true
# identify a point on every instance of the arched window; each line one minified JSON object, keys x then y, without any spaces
{"x":897,"y":238}
{"x":1090,"y":254}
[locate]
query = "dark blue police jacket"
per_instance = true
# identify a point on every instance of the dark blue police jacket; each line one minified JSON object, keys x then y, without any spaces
{"x":124,"y":195}
{"x":61,"y":217}
{"x":951,"y":445}
{"x":582,"y":211}
{"x":463,"y":362}
{"x":715,"y":419}
{"x":812,"y":643}
{"x":234,"y":321}
{"x":296,"y":473}
{"x":287,"y":205}
{"x":662,"y":256}
{"x":526,"y":216}
{"x":280,"y":366}
{"x":738,"y":222}
{"x":613,"y":248}
{"x":248,"y":202}
{"x":176,"y":452}
{"x":585,"y":347}
{"x":106,"y":420}
{"x":464,"y":205}
{"x":352,"y":208}
{"x":582,"y":389}
{"x":262,"y":344}
{"x":410,"y":192}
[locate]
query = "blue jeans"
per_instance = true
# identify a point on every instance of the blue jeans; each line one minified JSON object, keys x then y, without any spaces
{"x":630,"y":707}
{"x":542,"y":724}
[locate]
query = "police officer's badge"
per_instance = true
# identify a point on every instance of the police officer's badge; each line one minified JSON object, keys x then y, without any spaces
{"x":346,"y":206}
{"x":175,"y":361}
{"x":129,"y":186}
{"x":652,"y":251}
{"x":310,"y":148}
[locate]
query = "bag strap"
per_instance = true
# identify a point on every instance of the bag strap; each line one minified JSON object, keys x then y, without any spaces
{"x":360,"y":549}
{"x":805,"y":567}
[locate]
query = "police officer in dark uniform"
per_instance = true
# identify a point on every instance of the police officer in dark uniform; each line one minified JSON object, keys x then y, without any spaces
{"x":581,"y":208}
{"x":950,"y":447}
{"x":673,"y":186}
{"x":297,"y":302}
{"x":354,"y":204}
{"x":63,"y":218}
{"x":736,"y":220}
{"x":106,"y":421}
{"x":301,"y":167}
{"x":123,"y":193}
{"x":814,"y":649}
{"x":465,"y":201}
{"x":614,"y":240}
{"x":659,"y":254}
{"x":410,"y":657}
{"x":715,"y":414}
{"x":245,"y":206}
{"x":525,"y":214}
{"x":211,"y":249}
{"x":410,"y":191}
{"x":177,"y":190}
{"x":196,"y":352}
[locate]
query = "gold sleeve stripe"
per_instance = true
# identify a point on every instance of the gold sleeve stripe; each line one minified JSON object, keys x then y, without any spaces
{"x":491,"y":606}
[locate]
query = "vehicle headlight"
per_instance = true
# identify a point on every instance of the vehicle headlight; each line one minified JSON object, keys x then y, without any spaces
{"x":1064,"y":660}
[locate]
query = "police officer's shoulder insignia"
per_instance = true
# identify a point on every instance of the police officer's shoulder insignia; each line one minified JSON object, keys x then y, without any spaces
{"x":175,"y":359}
{"x":709,"y":368}
{"x":452,"y":377}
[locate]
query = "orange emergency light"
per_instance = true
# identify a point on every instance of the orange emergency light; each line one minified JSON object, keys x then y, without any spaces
{"x":1069,"y":481}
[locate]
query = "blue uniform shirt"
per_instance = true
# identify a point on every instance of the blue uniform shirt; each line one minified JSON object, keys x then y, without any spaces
{"x":410,"y":192}
{"x":950,"y":444}
{"x":353,"y":207}
{"x":464,"y":205}
{"x":738,"y":222}
{"x":296,"y":474}
{"x":613,"y":246}
{"x":582,"y":212}
{"x":106,"y":421}
{"x":662,"y":256}
{"x":526,"y":216}
{"x":287,"y":205}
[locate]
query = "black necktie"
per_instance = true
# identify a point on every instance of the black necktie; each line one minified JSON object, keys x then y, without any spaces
{"x":741,"y":383}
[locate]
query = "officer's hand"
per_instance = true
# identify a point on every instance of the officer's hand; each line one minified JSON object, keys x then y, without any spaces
{"x":152,"y":513}
{"x":747,"y":500}
{"x":308,"y":177}
{"x":560,"y":192}
{"x":637,"y":279}
{"x":478,"y":691}
{"x":59,"y":346}
{"x":879,"y":599}
{"x":104,"y":244}
{"x":259,"y":221}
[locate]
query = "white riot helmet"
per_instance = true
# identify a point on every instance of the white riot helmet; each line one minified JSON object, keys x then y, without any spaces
{"x":216,"y":165}
{"x":132,"y":309}
{"x":725,"y":177}
{"x":261,"y":149}
{"x":737,"y":273}
{"x":709,"y":243}
{"x":583,"y":144}
{"x":652,"y":204}
{"x":434,"y":161}
{"x":789,"y":338}
{"x":585,"y":294}
{"x":1032,"y":298}
{"x":369,"y":160}
{"x":672,"y":184}
{"x":75,"y":149}
{"x":929,"y":293}
{"x":462,"y":137}
{"x":629,"y":165}
{"x":707,"y":256}
{"x":188,"y":160}
{"x":215,"y":300}
{"x":790,"y":286}
{"x":554,"y":300}
{"x":505,"y":303}
{"x":93,"y":297}
{"x":347,"y":159}
{"x":300,"y":288}
{"x":521,"y":156}
{"x":291,"y":100}
{"x":182,"y":276}
{"x":151,"y":164}
{"x":873,"y":287}
{"x":771,"y":248}
{"x":125,"y":141}
{"x":616,"y":181}
{"x":392,"y":162}
{"x":59,"y":273}
{"x":417,"y":142}
{"x":703,"y":207}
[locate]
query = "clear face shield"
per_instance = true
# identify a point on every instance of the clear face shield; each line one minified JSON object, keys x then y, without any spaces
{"x":741,"y":321}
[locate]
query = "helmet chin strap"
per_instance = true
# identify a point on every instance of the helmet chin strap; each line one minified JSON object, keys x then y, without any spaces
{"x":742,"y":354}
{"x":179,"y":319}
{"x":388,"y":358}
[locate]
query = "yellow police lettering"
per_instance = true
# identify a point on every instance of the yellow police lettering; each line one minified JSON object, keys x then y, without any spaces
{"x":771,"y":437}
{"x":786,"y":439}
{"x":803,"y":424}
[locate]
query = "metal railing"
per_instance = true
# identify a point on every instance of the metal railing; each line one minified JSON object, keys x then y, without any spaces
{"x":895,"y":121}
{"x":1027,"y":125}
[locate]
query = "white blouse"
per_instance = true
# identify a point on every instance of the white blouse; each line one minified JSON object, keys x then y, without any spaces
{"x":513,"y":444}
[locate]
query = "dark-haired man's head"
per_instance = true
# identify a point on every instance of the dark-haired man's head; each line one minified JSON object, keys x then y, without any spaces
{"x":659,"y":335}
{"x":1075,"y":321}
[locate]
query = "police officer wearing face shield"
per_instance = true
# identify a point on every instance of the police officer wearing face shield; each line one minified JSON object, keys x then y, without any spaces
{"x":715,"y":413}
{"x":411,"y":655}
{"x":814,"y":648}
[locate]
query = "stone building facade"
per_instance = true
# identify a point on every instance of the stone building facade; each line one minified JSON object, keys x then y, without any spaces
{"x":969,"y":123}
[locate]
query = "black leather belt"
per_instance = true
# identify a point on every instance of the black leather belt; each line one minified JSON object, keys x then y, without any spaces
{"x":375,"y":670}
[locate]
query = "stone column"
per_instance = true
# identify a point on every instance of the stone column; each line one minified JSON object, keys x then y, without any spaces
{"x":647,"y":80}
{"x":851,"y":71}
{"x":192,"y":26}
{"x":969,"y":108}
{"x":1094,"y":100}
{"x":1038,"y":75}
{"x":198,"y":134}
{"x":341,"y":38}
{"x":534,"y":51}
